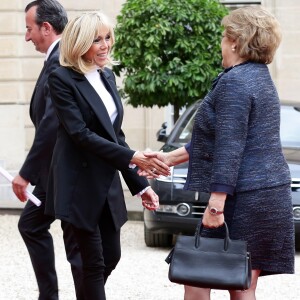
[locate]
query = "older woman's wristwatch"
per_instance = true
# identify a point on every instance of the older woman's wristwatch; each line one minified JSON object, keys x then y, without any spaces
{"x":214,"y":211}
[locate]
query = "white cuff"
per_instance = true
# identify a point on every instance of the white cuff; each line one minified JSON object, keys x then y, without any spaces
{"x":143,"y":191}
{"x":132,"y":166}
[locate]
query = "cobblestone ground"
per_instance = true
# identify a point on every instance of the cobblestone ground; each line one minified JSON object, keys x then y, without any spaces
{"x":140,"y":275}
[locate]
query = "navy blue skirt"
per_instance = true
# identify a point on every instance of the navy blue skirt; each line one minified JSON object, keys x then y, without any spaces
{"x":263,"y":218}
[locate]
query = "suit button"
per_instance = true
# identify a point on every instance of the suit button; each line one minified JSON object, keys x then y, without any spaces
{"x":84,"y":164}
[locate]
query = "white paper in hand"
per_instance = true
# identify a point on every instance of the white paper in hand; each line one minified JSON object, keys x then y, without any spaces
{"x":30,"y":196}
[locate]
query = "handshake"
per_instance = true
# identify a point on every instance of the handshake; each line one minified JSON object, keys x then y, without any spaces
{"x":152,"y":164}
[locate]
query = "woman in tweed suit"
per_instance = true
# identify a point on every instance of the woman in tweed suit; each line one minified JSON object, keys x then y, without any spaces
{"x":235,"y":151}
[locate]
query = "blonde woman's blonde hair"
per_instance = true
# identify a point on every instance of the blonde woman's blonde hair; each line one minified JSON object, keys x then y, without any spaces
{"x":78,"y":37}
{"x":256,"y":32}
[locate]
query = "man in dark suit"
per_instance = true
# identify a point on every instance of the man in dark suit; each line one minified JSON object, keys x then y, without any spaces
{"x":45,"y":21}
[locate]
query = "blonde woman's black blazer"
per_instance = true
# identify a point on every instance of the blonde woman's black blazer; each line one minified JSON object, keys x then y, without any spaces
{"x":88,"y":153}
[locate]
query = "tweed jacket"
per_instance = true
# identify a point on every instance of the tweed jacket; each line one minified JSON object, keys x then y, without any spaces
{"x":236,"y":136}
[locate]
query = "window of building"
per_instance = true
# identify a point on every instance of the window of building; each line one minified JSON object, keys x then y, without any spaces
{"x":232,"y":4}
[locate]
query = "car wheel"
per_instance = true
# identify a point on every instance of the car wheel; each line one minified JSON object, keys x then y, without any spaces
{"x":157,"y":239}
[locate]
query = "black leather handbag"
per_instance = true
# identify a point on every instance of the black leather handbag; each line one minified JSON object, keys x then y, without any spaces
{"x":210,"y":262}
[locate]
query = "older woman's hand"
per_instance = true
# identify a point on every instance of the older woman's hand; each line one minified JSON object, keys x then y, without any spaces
{"x":211,"y":221}
{"x":216,"y":203}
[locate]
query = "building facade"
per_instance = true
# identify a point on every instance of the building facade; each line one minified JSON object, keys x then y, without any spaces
{"x":20,"y":65}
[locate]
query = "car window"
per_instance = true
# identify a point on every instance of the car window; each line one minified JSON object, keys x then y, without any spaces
{"x":183,"y":134}
{"x":186,"y":132}
{"x":290,"y":126}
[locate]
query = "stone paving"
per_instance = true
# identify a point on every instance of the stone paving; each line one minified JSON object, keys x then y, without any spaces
{"x":140,"y":275}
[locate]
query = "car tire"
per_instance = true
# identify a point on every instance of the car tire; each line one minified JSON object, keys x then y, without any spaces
{"x":157,"y":239}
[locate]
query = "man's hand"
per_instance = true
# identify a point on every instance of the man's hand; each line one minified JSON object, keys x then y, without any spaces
{"x":150,"y":199}
{"x":19,"y":185}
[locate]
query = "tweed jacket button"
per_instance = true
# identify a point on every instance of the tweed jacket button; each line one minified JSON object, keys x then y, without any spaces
{"x":206,"y":155}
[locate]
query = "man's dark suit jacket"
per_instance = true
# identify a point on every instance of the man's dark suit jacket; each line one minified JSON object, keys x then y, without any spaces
{"x":36,"y":166}
{"x":88,"y":154}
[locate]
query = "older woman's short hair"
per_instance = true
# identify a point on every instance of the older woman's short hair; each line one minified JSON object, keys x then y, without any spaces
{"x":256,"y":32}
{"x":78,"y":37}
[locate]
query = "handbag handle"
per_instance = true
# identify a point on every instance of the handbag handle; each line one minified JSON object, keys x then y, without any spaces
{"x":199,"y":230}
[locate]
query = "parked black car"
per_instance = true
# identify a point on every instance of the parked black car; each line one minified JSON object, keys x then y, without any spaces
{"x":180,"y":210}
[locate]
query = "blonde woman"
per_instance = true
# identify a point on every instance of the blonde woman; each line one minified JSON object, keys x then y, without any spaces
{"x":84,"y":186}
